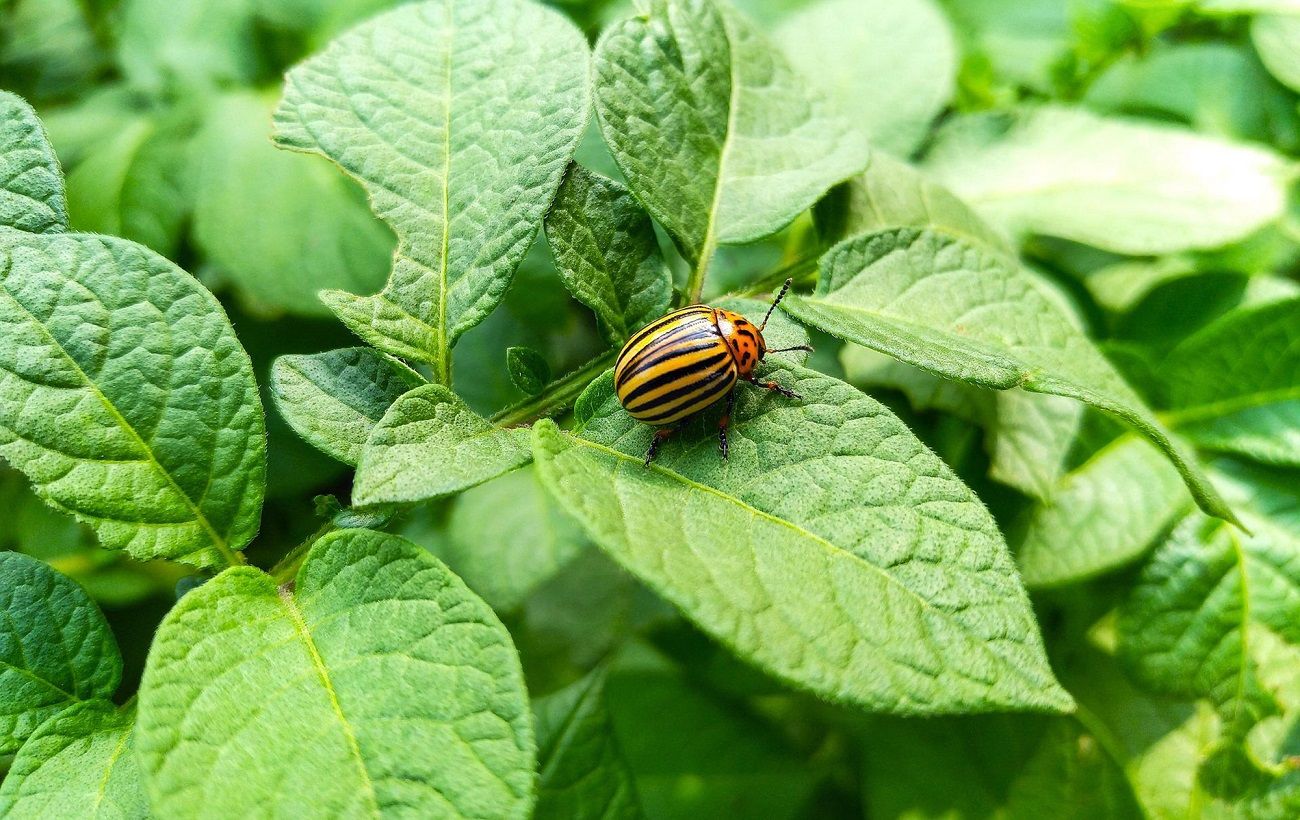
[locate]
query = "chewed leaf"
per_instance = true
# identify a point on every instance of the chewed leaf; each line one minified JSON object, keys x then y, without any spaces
{"x":80,"y":763}
{"x":31,"y":184}
{"x":718,"y":137}
{"x":406,"y":683}
{"x":126,"y":398}
{"x":55,"y":648}
{"x":832,"y":549}
{"x":963,"y":312}
{"x":459,"y":118}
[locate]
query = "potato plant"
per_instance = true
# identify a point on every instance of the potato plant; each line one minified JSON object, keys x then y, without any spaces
{"x":319,"y":500}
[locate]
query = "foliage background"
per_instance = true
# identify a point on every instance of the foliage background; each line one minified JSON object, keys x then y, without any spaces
{"x":1041,"y":114}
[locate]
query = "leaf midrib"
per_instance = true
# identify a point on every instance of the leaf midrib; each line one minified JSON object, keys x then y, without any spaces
{"x":444,"y":354}
{"x":232,"y":557}
{"x":830,"y":547}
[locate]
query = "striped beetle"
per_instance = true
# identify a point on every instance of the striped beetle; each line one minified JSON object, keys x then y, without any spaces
{"x":682,"y":363}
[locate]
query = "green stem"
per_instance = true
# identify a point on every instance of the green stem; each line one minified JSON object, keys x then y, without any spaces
{"x":557,"y":395}
{"x":695,"y":282}
{"x":287,"y":568}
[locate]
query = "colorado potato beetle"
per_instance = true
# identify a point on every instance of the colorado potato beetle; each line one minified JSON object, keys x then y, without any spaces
{"x":687,"y":361}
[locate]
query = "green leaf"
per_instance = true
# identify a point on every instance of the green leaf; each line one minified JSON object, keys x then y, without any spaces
{"x":1235,"y":386}
{"x":893,"y":194}
{"x":825,"y":503}
{"x":280,"y":226}
{"x":1277,"y":39}
{"x":380,"y":685}
{"x":528,"y":369}
{"x":1122,"y":185}
{"x":507,"y":536}
{"x":188,"y":46}
{"x":335,"y":399}
{"x":583,"y":773}
{"x":126,"y":398}
{"x":718,"y":137}
{"x":31,"y":185}
{"x":459,"y":119}
{"x":1103,"y":515}
{"x":55,"y":648}
{"x":79,"y":763}
{"x":959,"y":311}
{"x":430,"y":445}
{"x":607,"y":253}
{"x":135,"y":184}
{"x":890,"y":65}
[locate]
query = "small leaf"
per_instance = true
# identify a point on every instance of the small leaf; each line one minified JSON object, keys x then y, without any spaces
{"x":281,"y":226}
{"x":1122,"y":185}
{"x":429,"y":445}
{"x":79,"y":763}
{"x":959,"y":311}
{"x":583,"y":773}
{"x":31,"y":194}
{"x":55,"y":648}
{"x":406,"y":683}
{"x":506,"y":537}
{"x":126,"y":398}
{"x":825,"y":504}
{"x":905,"y":47}
{"x":718,"y":137}
{"x":1103,"y":515}
{"x":528,"y":369}
{"x":459,"y":119}
{"x":335,"y":399}
{"x":1235,"y":385}
{"x":607,"y":253}
{"x":1277,"y":39}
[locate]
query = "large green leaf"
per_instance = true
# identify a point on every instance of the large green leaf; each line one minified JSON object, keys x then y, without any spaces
{"x":31,"y":185}
{"x":583,"y":774}
{"x":380,"y":685}
{"x":508,"y":536}
{"x":1122,"y":185}
{"x":962,"y":312}
{"x":1277,"y":39}
{"x":718,"y":137}
{"x":55,"y":648}
{"x":335,"y":399}
{"x":126,"y":398}
{"x":890,"y":65}
{"x":80,"y":764}
{"x":1102,"y":515}
{"x":458,"y":118}
{"x":607,"y":253}
{"x":1235,"y":386}
{"x":280,"y":226}
{"x":832,"y":550}
{"x":429,"y":445}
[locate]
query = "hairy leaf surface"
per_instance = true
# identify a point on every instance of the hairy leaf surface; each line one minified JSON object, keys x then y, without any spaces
{"x":459,"y":119}
{"x":55,"y":648}
{"x":607,"y":253}
{"x":1123,"y":185}
{"x":832,"y":550}
{"x":959,"y":311}
{"x":405,"y":684}
{"x":335,"y":399}
{"x":718,"y":137}
{"x":1235,"y":386}
{"x":81,"y":764}
{"x":126,"y":398}
{"x":429,"y":445}
{"x":31,"y":184}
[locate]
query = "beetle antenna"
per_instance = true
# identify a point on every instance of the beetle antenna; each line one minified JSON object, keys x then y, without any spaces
{"x":808,"y":348}
{"x":775,"y":302}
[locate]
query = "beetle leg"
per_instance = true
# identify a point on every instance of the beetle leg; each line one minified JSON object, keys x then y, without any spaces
{"x":774,"y":387}
{"x":725,"y":422}
{"x":661,"y":434}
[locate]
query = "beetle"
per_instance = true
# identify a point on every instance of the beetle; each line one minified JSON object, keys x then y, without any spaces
{"x":687,"y":361}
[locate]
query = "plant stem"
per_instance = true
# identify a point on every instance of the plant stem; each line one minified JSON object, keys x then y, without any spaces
{"x":695,"y":282}
{"x":557,"y":395}
{"x":287,"y":568}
